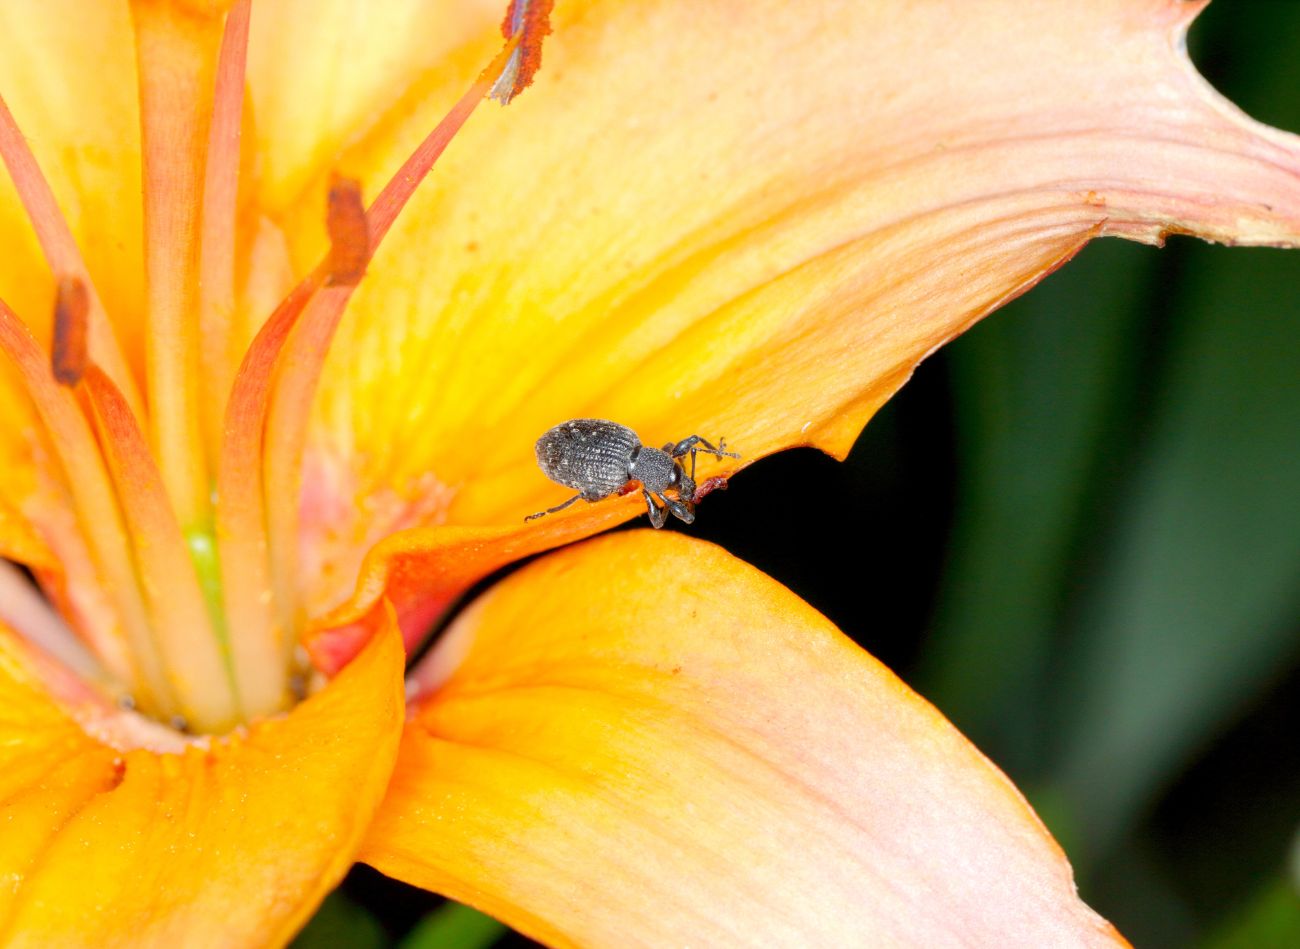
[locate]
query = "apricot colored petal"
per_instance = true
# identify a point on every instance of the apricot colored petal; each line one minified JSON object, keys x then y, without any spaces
{"x":643,"y":741}
{"x":749,"y":223}
{"x":231,"y":841}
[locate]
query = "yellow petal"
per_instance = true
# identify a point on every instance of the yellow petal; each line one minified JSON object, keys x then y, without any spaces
{"x":643,"y":741}
{"x":22,"y":481}
{"x":323,"y":72}
{"x":232,"y":841}
{"x":19,"y":541}
{"x":746,"y":224}
{"x":68,"y":74}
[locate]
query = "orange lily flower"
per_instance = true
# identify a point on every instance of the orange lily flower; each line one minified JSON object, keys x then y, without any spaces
{"x":232,"y":426}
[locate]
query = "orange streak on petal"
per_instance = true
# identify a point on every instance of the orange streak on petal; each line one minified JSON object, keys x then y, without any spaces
{"x":616,"y":758}
{"x":190,"y":650}
{"x":177,"y":53}
{"x":233,"y":841}
{"x":97,"y":511}
{"x":60,"y":249}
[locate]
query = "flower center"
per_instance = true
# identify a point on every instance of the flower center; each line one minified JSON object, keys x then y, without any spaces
{"x":186,"y":496}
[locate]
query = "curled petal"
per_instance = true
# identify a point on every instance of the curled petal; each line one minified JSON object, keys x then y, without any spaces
{"x":240,"y":835}
{"x":421,"y":572}
{"x":643,"y":741}
{"x":750,"y":223}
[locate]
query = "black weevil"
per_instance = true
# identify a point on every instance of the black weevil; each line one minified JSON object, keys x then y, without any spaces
{"x":601,"y":459}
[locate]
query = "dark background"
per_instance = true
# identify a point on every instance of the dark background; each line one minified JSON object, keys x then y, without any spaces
{"x":1077,"y":532}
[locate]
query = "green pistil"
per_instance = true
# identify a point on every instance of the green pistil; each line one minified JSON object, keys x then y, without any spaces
{"x":203,"y":551}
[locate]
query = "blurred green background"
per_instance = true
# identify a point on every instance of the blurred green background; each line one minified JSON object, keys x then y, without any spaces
{"x":1079,"y":529}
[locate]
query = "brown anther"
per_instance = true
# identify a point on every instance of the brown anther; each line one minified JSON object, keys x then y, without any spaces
{"x":68,"y":356}
{"x":530,"y":20}
{"x":349,"y":233}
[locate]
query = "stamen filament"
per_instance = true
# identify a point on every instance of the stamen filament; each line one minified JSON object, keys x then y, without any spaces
{"x":390,"y":201}
{"x":196,"y":665}
{"x":56,"y":554}
{"x":300,"y":367}
{"x":218,"y":356}
{"x":61,"y":251}
{"x":97,"y":510}
{"x":70,"y":688}
{"x":177,"y":52}
{"x":181,"y":571}
{"x":264,"y":639}
{"x":298,"y":370}
{"x":30,"y":615}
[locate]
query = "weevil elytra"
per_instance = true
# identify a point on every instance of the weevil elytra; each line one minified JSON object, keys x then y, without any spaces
{"x":600,"y":459}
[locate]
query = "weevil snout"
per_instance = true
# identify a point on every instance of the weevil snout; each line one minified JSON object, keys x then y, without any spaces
{"x":684,"y":484}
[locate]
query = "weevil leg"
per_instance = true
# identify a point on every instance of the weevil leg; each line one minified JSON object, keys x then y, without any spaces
{"x":686,"y":444}
{"x":695,"y":444}
{"x":658,"y":515}
{"x":682,"y":509}
{"x":552,"y":510}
